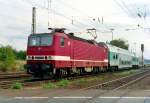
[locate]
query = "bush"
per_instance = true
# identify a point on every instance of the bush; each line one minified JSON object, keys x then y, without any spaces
{"x":16,"y":86}
{"x":19,"y":65}
{"x":7,"y":58}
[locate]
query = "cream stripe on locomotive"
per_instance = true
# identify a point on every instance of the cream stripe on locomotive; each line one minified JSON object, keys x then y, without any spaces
{"x":48,"y":57}
{"x":61,"y":58}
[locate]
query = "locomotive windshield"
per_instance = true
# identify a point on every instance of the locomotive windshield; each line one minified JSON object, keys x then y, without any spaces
{"x":40,"y":40}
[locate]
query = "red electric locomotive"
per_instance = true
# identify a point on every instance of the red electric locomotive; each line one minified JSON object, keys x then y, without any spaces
{"x":57,"y":54}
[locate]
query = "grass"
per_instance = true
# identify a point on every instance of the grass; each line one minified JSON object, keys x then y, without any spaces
{"x":81,"y":82}
{"x":63,"y":83}
{"x":86,"y":81}
{"x":126,"y":73}
{"x":49,"y":86}
{"x":16,"y":85}
{"x":16,"y":67}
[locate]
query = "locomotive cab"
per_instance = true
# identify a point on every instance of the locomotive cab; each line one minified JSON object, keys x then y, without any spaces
{"x":39,"y":46}
{"x":43,"y":50}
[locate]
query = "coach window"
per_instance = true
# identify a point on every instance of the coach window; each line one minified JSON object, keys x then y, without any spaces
{"x":62,"y":41}
{"x":116,"y":56}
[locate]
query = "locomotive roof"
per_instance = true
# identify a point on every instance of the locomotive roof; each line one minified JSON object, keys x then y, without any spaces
{"x":81,"y":39}
{"x":71,"y":35}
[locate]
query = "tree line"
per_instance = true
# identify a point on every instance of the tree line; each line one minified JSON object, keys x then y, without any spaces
{"x":8,"y":51}
{"x":120,"y":43}
{"x":8,"y":57}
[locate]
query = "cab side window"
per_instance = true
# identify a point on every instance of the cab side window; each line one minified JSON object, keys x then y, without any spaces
{"x":62,"y":41}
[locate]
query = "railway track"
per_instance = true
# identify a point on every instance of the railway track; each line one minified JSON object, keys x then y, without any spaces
{"x":121,"y":82}
{"x":117,"y":84}
{"x":8,"y":79}
{"x":5,"y":76}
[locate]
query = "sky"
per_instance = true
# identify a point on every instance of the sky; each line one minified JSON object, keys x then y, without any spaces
{"x":123,"y":16}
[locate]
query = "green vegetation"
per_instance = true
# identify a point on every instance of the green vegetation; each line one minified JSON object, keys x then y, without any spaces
{"x":49,"y":85}
{"x":7,"y":58}
{"x":10,"y":59}
{"x":16,"y":85}
{"x":126,"y":73}
{"x":63,"y":83}
{"x":19,"y":65}
{"x":81,"y":82}
{"x":120,"y":43}
{"x":20,"y":55}
{"x":86,"y":81}
{"x":60,"y":84}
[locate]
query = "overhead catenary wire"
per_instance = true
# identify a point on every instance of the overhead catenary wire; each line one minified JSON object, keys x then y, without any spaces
{"x":73,"y":19}
{"x":122,"y":8}
{"x":126,"y":10}
{"x":130,"y":12}
{"x":79,"y":23}
{"x":75,"y":9}
{"x":92,"y":19}
{"x":59,"y":14}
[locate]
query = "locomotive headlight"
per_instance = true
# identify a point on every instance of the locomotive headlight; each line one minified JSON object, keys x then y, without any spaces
{"x":49,"y":58}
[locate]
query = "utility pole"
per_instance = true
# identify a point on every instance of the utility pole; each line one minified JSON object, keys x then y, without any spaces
{"x":49,"y":8}
{"x":112,"y":29}
{"x":102,"y":20}
{"x":142,"y":49}
{"x":33,"y":30}
{"x":72,"y":21}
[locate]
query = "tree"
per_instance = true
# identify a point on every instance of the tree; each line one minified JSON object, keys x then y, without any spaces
{"x":20,"y":55}
{"x":120,"y":43}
